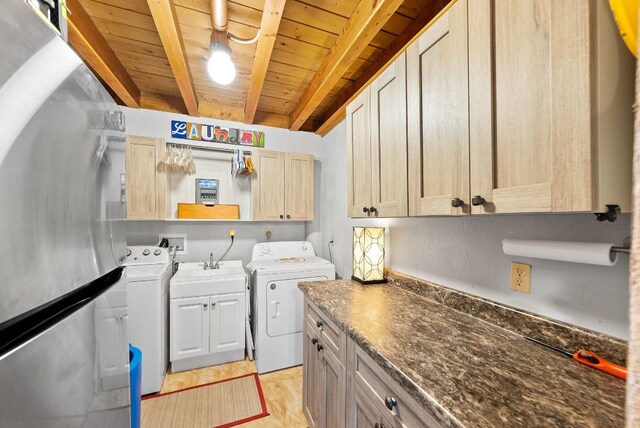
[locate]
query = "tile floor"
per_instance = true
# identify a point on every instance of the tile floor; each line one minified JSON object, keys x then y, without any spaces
{"x":282,"y":390}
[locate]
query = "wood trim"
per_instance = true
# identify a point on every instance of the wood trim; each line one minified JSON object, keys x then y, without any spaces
{"x":87,"y":40}
{"x":365,"y":22}
{"x":271,"y":16}
{"x":419,"y":25}
{"x":166,"y":20}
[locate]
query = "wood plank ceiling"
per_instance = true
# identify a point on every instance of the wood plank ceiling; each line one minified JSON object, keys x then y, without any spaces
{"x":319,"y":61}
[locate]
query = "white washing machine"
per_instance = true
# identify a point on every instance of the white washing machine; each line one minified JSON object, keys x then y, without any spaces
{"x":277,"y":304}
{"x":148,"y":275}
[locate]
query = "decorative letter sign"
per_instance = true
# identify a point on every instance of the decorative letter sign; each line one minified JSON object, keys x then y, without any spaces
{"x":215,"y":134}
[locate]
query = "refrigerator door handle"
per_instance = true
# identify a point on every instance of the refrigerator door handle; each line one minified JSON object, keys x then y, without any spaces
{"x":21,"y":329}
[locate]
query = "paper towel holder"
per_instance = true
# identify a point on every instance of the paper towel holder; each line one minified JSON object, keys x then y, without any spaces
{"x":625,"y":248}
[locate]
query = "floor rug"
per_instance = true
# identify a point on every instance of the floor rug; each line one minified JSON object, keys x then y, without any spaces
{"x":221,"y":404}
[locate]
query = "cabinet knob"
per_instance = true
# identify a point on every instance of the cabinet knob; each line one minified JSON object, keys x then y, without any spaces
{"x":288,"y":216}
{"x":365,"y":210}
{"x":477,"y":200}
{"x":377,"y":425}
{"x":374,"y":210}
{"x":281,"y":216}
{"x":457,"y":202}
{"x":213,"y":305}
{"x":314,"y":340}
{"x":204,"y":306}
{"x":319,"y":324}
{"x":320,"y":347}
{"x":390,"y":402}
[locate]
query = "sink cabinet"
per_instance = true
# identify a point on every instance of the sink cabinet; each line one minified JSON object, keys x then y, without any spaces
{"x":207,"y":330}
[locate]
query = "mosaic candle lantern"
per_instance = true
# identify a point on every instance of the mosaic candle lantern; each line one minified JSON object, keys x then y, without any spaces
{"x":368,"y":255}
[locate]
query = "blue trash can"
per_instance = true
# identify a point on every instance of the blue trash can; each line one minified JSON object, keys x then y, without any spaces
{"x":135,"y":380}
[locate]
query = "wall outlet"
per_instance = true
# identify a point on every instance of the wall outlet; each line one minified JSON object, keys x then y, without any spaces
{"x":520,"y":277}
{"x":267,"y":232}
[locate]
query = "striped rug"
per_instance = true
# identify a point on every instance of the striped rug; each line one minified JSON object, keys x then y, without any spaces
{"x":225,"y":403}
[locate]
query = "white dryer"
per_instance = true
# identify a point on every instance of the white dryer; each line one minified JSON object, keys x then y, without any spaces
{"x":277,"y":304}
{"x":148,"y":275}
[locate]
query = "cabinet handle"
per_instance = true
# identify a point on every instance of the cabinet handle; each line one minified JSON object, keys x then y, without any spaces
{"x":457,"y":202}
{"x":204,"y":306}
{"x":213,"y":305}
{"x":314,"y":341}
{"x":477,"y":200}
{"x":374,"y":210}
{"x":281,"y":216}
{"x":377,"y":425}
{"x":288,"y":216}
{"x":319,"y":324}
{"x":390,"y":402}
{"x":320,"y":347}
{"x":365,"y":210}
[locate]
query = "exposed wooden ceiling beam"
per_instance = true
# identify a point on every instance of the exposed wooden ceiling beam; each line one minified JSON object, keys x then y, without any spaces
{"x":85,"y":38}
{"x":166,"y":20}
{"x":421,"y":22}
{"x":269,"y":25}
{"x":162,"y":103}
{"x":365,"y":22}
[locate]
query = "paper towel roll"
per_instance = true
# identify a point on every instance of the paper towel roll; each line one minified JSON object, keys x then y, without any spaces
{"x":592,"y":253}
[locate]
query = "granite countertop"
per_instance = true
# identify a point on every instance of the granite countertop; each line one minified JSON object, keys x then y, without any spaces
{"x":468,"y":372}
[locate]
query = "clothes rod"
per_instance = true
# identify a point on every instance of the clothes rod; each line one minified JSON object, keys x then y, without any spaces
{"x":211,"y":149}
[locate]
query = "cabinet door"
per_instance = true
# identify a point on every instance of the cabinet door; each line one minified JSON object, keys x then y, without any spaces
{"x":189,"y":327}
{"x":359,"y":155}
{"x":267,"y":189}
{"x":145,"y":182}
{"x":361,"y":413}
{"x":438,"y":120}
{"x":333,"y":391}
{"x":389,"y":141}
{"x":531,"y":99}
{"x":227,"y":322}
{"x":311,"y":379}
{"x":299,"y":186}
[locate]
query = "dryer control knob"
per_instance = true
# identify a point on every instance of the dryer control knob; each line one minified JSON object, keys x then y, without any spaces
{"x":128,"y":252}
{"x":264,"y":249}
{"x":157,"y":252}
{"x":304,"y":248}
{"x":272,"y":286}
{"x":145,"y":252}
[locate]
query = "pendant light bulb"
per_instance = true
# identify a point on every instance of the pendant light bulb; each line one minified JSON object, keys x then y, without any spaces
{"x":220,"y":67}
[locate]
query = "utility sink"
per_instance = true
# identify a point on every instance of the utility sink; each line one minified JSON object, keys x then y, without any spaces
{"x":192,"y":279}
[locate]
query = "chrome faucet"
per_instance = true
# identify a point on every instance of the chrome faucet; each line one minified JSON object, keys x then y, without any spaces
{"x":211,"y":264}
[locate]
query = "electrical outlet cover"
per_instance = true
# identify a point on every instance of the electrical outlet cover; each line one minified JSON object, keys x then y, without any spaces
{"x":521,"y":277}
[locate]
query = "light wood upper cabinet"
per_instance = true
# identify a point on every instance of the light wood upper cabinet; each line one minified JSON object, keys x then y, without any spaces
{"x":551,"y":90}
{"x":377,"y":146}
{"x":145,"y":182}
{"x":283,"y":186}
{"x":438,"y":118}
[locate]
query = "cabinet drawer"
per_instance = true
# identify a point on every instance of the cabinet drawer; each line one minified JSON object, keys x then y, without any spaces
{"x":379,"y":387}
{"x":334,"y":339}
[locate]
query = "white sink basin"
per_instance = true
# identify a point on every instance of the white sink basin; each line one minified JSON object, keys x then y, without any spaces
{"x":193,"y":280}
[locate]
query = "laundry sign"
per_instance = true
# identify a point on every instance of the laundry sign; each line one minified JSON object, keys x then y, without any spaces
{"x":215,"y":134}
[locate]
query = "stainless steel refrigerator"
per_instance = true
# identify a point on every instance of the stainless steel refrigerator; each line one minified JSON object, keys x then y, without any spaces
{"x":63,"y":311}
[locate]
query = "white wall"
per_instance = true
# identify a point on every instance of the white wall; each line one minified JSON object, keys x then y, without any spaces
{"x":206,"y":237}
{"x":465,"y":253}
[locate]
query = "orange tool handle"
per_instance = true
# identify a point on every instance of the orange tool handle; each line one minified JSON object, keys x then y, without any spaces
{"x":594,"y":360}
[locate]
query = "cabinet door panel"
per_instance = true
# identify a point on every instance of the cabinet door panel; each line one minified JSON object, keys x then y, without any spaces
{"x":227,"y":322}
{"x":311,"y":381}
{"x":531,"y":96}
{"x":359,"y":155}
{"x":361,"y":411}
{"x":389,"y":141}
{"x":189,"y":327}
{"x":438,"y":123}
{"x":145,"y":182}
{"x":333,"y":391}
{"x":300,"y":179}
{"x":268,"y":186}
